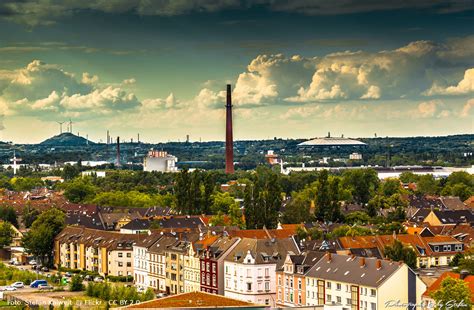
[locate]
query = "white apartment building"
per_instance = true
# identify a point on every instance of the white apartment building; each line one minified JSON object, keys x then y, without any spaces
{"x":191,"y":271}
{"x":141,"y":261}
{"x":249,"y":269}
{"x":359,"y":283}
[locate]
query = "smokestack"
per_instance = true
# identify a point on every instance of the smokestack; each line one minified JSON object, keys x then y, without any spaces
{"x":229,"y":140}
{"x":138,"y":138}
{"x":108,"y":137}
{"x":118,"y":152}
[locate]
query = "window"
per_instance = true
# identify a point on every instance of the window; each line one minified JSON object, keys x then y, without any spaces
{"x":338,"y":298}
{"x":120,"y":264}
{"x":214,"y":268}
{"x":446,"y":248}
{"x":129,"y":264}
{"x":299,"y":284}
{"x":267,"y":286}
{"x":214,"y":281}
{"x":129,"y":254}
{"x":267,"y":272}
{"x":436,"y":248}
{"x":373,"y":306}
{"x":227,"y":269}
{"x":279,"y":280}
{"x":249,"y":286}
{"x":267,"y":302}
{"x":458,"y":247}
{"x":120,"y":254}
{"x":348,"y":301}
{"x":436,"y":261}
{"x":328,"y":298}
{"x":203,"y":265}
{"x":328,"y":285}
{"x":372,"y":292}
{"x":338,"y":286}
{"x":299,"y":299}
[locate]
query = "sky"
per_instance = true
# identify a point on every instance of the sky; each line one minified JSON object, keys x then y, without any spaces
{"x":299,"y":69}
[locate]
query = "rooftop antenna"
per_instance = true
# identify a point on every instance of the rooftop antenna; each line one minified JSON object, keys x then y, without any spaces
{"x":15,"y":160}
{"x":60,"y":127}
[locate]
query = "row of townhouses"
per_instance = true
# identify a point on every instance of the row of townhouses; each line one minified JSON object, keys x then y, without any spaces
{"x":267,"y":268}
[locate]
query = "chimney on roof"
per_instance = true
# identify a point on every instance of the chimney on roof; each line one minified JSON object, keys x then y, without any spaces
{"x":362,"y":262}
{"x":463,"y":274}
{"x":378,"y":263}
{"x":328,"y":256}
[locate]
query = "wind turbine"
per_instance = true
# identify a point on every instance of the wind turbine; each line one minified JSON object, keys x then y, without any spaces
{"x":70,"y":126}
{"x":60,"y":127}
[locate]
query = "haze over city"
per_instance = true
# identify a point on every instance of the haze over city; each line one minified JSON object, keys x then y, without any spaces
{"x":298,"y":69}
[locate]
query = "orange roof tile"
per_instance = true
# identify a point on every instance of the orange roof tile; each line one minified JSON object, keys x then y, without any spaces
{"x":436,"y":285}
{"x":192,"y":300}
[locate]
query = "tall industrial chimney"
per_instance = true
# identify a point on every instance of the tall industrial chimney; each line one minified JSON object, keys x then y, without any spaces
{"x":229,"y":140}
{"x":118,"y":152}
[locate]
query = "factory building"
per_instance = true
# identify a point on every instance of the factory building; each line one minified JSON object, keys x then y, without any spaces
{"x":160,"y":161}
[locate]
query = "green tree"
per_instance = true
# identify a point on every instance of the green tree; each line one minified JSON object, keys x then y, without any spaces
{"x":408,"y":177}
{"x":427,"y":184}
{"x":76,"y":284}
{"x":357,"y":217}
{"x":6,"y":234}
{"x":362,"y":183}
{"x":221,"y":202}
{"x":70,"y":172}
{"x":322,"y":195}
{"x":390,"y":187}
{"x":262,"y":199}
{"x":8,"y":214}
{"x":80,"y":190}
{"x":39,"y":240}
{"x":29,"y":215}
{"x":398,"y":252}
{"x":453,"y":294}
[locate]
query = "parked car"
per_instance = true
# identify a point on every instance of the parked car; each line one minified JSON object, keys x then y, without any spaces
{"x":9,"y":288}
{"x":32,"y":262}
{"x":88,"y":278}
{"x":141,"y":289}
{"x":45,"y":287}
{"x":35,"y":283}
{"x":161,"y":295}
{"x":68,"y":274}
{"x":45,"y":269}
{"x":18,"y":285}
{"x":16,"y":263}
{"x":98,"y":279}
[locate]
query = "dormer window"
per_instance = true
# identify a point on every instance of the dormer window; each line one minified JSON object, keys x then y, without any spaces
{"x":436,"y":248}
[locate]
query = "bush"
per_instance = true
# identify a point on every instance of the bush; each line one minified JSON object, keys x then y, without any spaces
{"x":120,"y":278}
{"x":76,"y":284}
{"x":107,"y":292}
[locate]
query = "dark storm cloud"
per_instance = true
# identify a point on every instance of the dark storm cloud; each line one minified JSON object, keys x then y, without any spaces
{"x":46,"y":12}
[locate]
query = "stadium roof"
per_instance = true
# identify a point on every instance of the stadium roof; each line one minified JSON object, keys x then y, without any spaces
{"x":332,"y":142}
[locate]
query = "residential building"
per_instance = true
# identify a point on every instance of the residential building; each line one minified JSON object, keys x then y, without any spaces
{"x":105,"y":252}
{"x":157,"y":270}
{"x":212,"y":264}
{"x":141,"y":263}
{"x":250,"y":269}
{"x":291,"y":278}
{"x":431,"y":250}
{"x":359,"y":283}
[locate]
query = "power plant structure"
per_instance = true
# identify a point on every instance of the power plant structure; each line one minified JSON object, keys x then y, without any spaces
{"x":118,"y":152}
{"x":160,"y":161}
{"x":229,"y":140}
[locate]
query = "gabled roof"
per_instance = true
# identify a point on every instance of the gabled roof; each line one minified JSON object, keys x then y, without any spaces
{"x":262,"y":234}
{"x":454,"y":216}
{"x":264,"y":251}
{"x":137,"y":224}
{"x":352,"y":269}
